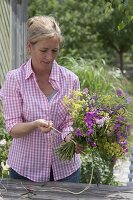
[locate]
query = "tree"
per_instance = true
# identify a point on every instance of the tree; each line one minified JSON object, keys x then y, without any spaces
{"x":113,"y":30}
{"x":92,"y":28}
{"x":76,"y":21}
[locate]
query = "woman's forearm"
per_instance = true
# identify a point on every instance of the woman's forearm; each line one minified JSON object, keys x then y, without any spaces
{"x":23,"y":129}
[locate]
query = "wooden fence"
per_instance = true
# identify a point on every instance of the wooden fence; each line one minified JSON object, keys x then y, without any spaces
{"x":13,"y":15}
{"x":5,"y":38}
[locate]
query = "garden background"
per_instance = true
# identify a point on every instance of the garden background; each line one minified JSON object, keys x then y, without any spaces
{"x":98,"y":47}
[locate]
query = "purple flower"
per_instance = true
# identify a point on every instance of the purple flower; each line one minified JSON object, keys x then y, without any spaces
{"x":119,"y":93}
{"x":123,"y":142}
{"x":125,"y":136}
{"x":100,"y":121}
{"x":95,"y":97}
{"x":119,"y":135}
{"x":89,"y":119}
{"x":93,"y":144}
{"x":85,"y":90}
{"x":119,"y":118}
{"x":127,"y":128}
{"x":116,"y":126}
{"x":128,"y":99}
{"x":89,"y":132}
{"x":78,"y":132}
{"x":125,"y":149}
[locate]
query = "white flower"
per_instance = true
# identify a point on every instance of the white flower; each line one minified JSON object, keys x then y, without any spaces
{"x":2,"y":142}
{"x":4,"y":166}
{"x":101,"y":122}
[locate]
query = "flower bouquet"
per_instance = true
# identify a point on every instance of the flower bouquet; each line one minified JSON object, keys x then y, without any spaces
{"x":100,"y":123}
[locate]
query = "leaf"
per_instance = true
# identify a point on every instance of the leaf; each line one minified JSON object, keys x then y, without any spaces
{"x":131,"y":18}
{"x":121,"y":26}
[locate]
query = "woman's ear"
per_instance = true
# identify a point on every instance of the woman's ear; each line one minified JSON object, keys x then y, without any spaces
{"x":29,"y":46}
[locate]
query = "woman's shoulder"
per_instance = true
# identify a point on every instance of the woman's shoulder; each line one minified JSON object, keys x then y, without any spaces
{"x":17,"y":72}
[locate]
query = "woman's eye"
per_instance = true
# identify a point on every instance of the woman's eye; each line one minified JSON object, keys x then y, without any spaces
{"x":43,"y":51}
{"x":55,"y":50}
{"x":46,"y":50}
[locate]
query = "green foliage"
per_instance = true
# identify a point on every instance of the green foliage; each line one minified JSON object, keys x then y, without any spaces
{"x":76,"y":21}
{"x":115,"y":32}
{"x":95,"y":75}
{"x":102,"y":171}
{"x":98,"y":77}
{"x":92,"y":29}
{"x":125,"y":7}
{"x":4,"y":143}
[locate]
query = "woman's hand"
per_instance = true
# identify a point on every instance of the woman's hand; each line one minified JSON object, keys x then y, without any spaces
{"x":68,"y":138}
{"x":43,"y":125}
{"x":25,"y":128}
{"x":78,"y":147}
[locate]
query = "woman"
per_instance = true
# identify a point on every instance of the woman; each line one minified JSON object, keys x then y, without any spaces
{"x":32,"y":101}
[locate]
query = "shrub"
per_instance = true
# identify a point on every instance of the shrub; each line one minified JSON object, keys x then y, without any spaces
{"x":4,"y":144}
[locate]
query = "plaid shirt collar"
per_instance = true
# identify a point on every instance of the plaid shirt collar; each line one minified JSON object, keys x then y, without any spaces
{"x":53,"y":76}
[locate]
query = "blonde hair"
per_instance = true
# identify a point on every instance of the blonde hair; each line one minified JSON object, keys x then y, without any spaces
{"x":40,"y":27}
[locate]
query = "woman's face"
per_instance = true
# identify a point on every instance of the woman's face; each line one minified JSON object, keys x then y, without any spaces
{"x":43,"y":53}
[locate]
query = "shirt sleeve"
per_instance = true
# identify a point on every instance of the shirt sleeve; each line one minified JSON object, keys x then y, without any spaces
{"x":67,"y":124}
{"x":12,"y":101}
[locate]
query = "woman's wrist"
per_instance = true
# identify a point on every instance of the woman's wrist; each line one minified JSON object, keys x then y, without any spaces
{"x":34,"y":124}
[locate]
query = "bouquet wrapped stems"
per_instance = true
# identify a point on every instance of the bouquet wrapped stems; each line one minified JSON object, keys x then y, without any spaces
{"x":66,"y":150}
{"x":100,"y":123}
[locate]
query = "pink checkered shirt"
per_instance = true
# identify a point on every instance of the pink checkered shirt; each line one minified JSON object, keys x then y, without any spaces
{"x":23,"y":101}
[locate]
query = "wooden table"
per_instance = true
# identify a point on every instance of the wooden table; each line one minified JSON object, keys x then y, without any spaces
{"x":18,"y":189}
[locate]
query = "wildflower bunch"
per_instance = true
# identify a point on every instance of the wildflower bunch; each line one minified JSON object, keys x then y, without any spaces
{"x":100,"y":122}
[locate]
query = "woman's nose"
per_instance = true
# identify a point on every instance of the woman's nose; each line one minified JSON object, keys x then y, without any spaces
{"x":49,"y":55}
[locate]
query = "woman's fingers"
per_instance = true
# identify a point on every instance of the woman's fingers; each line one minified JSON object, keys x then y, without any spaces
{"x":68,"y":138}
{"x":43,"y":125}
{"x":79,"y":148}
